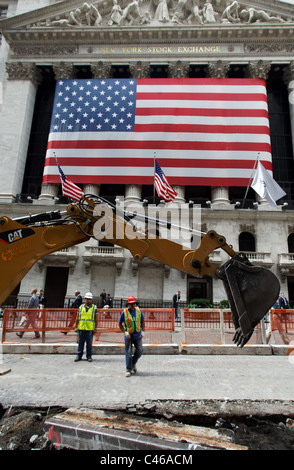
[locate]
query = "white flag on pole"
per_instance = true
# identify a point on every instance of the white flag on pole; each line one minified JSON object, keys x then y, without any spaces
{"x":266,"y":187}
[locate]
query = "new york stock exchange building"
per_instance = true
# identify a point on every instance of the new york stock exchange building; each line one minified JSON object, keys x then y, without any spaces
{"x":228,"y":70}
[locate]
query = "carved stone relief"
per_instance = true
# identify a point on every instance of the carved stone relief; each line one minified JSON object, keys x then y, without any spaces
{"x":23,"y":71}
{"x":137,"y":12}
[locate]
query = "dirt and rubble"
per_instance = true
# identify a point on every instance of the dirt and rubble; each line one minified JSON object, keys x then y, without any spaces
{"x":22,"y":428}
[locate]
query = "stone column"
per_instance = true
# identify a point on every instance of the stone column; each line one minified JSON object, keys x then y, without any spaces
{"x":50,"y":190}
{"x":218,"y":69}
{"x":179,"y":69}
{"x":101,"y":69}
{"x":219,"y":194}
{"x":181,"y":194}
{"x":64,"y":70}
{"x":15,"y":123}
{"x":220,"y":197}
{"x":259,"y":69}
{"x":93,"y":189}
{"x":133,"y":193}
{"x":140,"y":69}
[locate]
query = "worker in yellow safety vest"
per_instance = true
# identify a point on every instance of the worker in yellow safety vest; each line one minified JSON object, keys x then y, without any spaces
{"x":132,"y":324}
{"x":85,"y":326}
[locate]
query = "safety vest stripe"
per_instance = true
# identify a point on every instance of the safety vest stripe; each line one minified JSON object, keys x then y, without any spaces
{"x":139,"y":318}
{"x":130,"y":319}
{"x":129,"y":322}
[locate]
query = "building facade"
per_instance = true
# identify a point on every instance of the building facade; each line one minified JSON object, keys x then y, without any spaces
{"x":43,"y":41}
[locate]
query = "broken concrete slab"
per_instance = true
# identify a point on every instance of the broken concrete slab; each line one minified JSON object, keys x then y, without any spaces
{"x":104,"y":430}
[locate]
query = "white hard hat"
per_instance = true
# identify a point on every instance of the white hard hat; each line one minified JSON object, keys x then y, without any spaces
{"x":88,"y":295}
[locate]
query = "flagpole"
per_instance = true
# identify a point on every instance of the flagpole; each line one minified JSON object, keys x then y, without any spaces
{"x":154,"y":156}
{"x":247,"y":189}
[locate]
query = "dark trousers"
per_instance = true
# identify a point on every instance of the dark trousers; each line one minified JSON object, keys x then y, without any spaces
{"x":131,"y":360}
{"x":85,"y":336}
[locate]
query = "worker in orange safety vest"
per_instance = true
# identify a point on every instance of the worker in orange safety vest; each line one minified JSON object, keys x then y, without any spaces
{"x":132,"y":324}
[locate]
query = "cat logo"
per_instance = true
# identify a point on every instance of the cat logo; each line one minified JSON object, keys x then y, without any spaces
{"x":12,"y":236}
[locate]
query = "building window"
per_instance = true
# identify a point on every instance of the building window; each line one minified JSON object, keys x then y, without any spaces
{"x":291,"y":243}
{"x":3,"y":14}
{"x":246,"y":242}
{"x":3,"y":11}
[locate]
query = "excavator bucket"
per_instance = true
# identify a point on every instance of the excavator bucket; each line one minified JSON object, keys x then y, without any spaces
{"x":251,"y":291}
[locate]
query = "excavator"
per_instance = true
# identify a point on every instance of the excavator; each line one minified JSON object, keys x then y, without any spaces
{"x":251,"y":290}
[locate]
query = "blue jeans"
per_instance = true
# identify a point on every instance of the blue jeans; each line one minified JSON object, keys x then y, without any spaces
{"x":85,"y":336}
{"x":131,"y":360}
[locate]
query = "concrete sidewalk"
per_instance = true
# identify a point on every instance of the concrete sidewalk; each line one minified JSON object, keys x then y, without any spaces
{"x":56,"y":380}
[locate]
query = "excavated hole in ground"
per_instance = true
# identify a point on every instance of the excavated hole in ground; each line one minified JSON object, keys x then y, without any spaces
{"x":22,"y":428}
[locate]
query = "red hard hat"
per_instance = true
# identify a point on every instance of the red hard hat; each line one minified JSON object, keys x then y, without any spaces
{"x":131,"y":300}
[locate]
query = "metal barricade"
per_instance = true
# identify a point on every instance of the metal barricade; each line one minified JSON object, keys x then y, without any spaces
{"x":282,"y":319}
{"x":201,"y":318}
{"x":38,"y":320}
{"x":213,"y":325}
{"x":281,"y":326}
{"x":64,"y":320}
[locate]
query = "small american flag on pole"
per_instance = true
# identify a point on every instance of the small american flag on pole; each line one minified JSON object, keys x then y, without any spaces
{"x":164,"y":190}
{"x":69,"y":189}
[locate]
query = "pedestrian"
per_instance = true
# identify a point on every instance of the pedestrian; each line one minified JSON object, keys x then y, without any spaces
{"x":283,"y":301}
{"x":42,"y":299}
{"x":176,"y":300}
{"x":78,"y":300}
{"x":72,"y":315}
{"x":131,"y":323}
{"x":31,"y":316}
{"x":108,"y":301}
{"x":85,"y":326}
{"x":103,"y":298}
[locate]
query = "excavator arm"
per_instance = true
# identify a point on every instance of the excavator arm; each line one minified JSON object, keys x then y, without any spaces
{"x":251,"y":290}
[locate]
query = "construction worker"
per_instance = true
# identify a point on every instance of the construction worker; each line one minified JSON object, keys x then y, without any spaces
{"x":85,"y":326}
{"x":132,"y":324}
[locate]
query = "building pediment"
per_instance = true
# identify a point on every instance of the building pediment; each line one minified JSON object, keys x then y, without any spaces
{"x":74,"y":23}
{"x":73,"y":14}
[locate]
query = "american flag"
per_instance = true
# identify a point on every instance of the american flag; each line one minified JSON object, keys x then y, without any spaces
{"x":205,"y":131}
{"x":69,"y":189}
{"x":164,"y":190}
